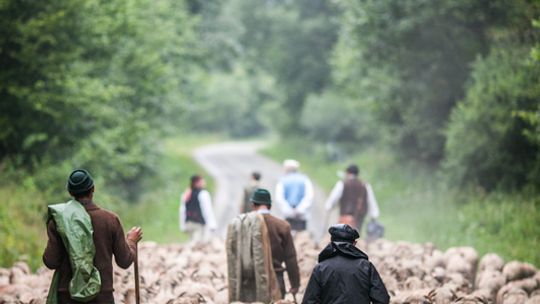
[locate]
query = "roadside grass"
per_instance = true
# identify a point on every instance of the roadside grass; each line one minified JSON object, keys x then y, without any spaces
{"x":23,"y":207}
{"x":418,"y":206}
{"x":22,"y":225}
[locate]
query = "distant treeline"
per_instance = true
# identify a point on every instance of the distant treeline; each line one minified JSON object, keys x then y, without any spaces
{"x":452,"y":84}
{"x":93,"y":83}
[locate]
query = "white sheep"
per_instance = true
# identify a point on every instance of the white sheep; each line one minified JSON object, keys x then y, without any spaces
{"x":423,"y":296}
{"x":491,"y":261}
{"x":516,"y":270}
{"x":512,"y":296}
{"x":444,"y":295}
{"x":471,"y":299}
{"x":491,"y":280}
{"x":534,"y":298}
{"x":196,"y":273}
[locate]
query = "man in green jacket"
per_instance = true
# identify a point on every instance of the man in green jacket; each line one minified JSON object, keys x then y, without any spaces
{"x":108,"y":240}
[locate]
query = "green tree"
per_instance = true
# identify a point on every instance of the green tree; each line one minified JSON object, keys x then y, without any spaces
{"x":533,"y":117}
{"x":292,"y":40}
{"x":41,"y":48}
{"x":332,"y":117}
{"x":230,"y":102}
{"x":425,"y":48}
{"x":487,"y":142}
{"x":90,"y":83}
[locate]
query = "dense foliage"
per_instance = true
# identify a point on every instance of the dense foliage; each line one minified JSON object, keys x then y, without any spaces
{"x":404,"y":73}
{"x":88,"y":83}
{"x":357,"y":72}
{"x":427,"y":50}
{"x":97,"y":83}
{"x":487,"y":138}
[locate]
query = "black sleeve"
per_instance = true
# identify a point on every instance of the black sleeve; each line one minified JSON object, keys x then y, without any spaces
{"x":313,"y":289}
{"x":377,"y":290}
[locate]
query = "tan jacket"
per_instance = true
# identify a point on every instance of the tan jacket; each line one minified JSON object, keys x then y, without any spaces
{"x":251,"y":277}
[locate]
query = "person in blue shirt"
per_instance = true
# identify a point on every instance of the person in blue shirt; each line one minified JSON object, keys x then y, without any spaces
{"x":294,"y":195}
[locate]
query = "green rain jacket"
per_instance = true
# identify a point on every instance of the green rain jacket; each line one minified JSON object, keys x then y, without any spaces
{"x":74,"y":226}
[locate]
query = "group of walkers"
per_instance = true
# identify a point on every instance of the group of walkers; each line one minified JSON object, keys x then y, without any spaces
{"x":84,"y":237}
{"x":294,"y":195}
{"x":260,"y":247}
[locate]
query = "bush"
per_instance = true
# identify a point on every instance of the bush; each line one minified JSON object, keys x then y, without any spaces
{"x":22,"y":224}
{"x":331,"y":117}
{"x":487,"y":143}
{"x":230,"y":103}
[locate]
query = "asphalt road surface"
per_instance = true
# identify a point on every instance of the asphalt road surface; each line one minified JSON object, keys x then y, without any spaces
{"x":231,"y":164}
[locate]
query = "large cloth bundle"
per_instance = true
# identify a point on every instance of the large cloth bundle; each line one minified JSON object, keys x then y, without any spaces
{"x":249,"y":259}
{"x":74,"y":226}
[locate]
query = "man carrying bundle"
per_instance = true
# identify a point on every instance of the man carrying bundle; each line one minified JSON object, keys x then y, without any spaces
{"x":257,"y":246}
{"x":82,"y":240}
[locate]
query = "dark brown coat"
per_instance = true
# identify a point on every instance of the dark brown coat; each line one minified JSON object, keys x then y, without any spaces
{"x":283,"y":249}
{"x":109,"y":239}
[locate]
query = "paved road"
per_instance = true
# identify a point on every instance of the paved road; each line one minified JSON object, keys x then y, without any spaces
{"x":230,"y":164}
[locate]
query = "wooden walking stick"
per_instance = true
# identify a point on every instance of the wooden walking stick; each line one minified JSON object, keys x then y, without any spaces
{"x":137,"y":290}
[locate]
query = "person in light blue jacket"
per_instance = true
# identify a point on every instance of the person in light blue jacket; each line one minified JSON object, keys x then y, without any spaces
{"x":294,"y":195}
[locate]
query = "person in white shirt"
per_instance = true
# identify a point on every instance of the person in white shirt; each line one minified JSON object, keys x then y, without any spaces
{"x":356,"y":199}
{"x":196,"y":211}
{"x":294,"y":195}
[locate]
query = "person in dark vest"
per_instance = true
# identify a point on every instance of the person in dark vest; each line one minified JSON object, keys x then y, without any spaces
{"x":108,"y":238}
{"x":281,"y":242}
{"x":254,"y":184}
{"x":196,"y":211}
{"x":356,"y":199}
{"x":294,"y":195}
{"x":344,"y":273}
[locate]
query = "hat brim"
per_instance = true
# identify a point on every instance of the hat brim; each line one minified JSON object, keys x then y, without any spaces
{"x":79,"y":191}
{"x":261,"y":202}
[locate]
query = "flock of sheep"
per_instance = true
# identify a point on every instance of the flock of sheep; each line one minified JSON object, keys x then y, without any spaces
{"x":413,"y":274}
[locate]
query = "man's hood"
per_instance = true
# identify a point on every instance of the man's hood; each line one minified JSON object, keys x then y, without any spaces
{"x":341,"y":248}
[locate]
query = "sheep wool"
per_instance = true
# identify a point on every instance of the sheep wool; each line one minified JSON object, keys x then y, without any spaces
{"x":197,"y":273}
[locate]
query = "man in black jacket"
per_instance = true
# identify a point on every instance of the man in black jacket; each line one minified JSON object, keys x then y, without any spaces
{"x":344,"y":273}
